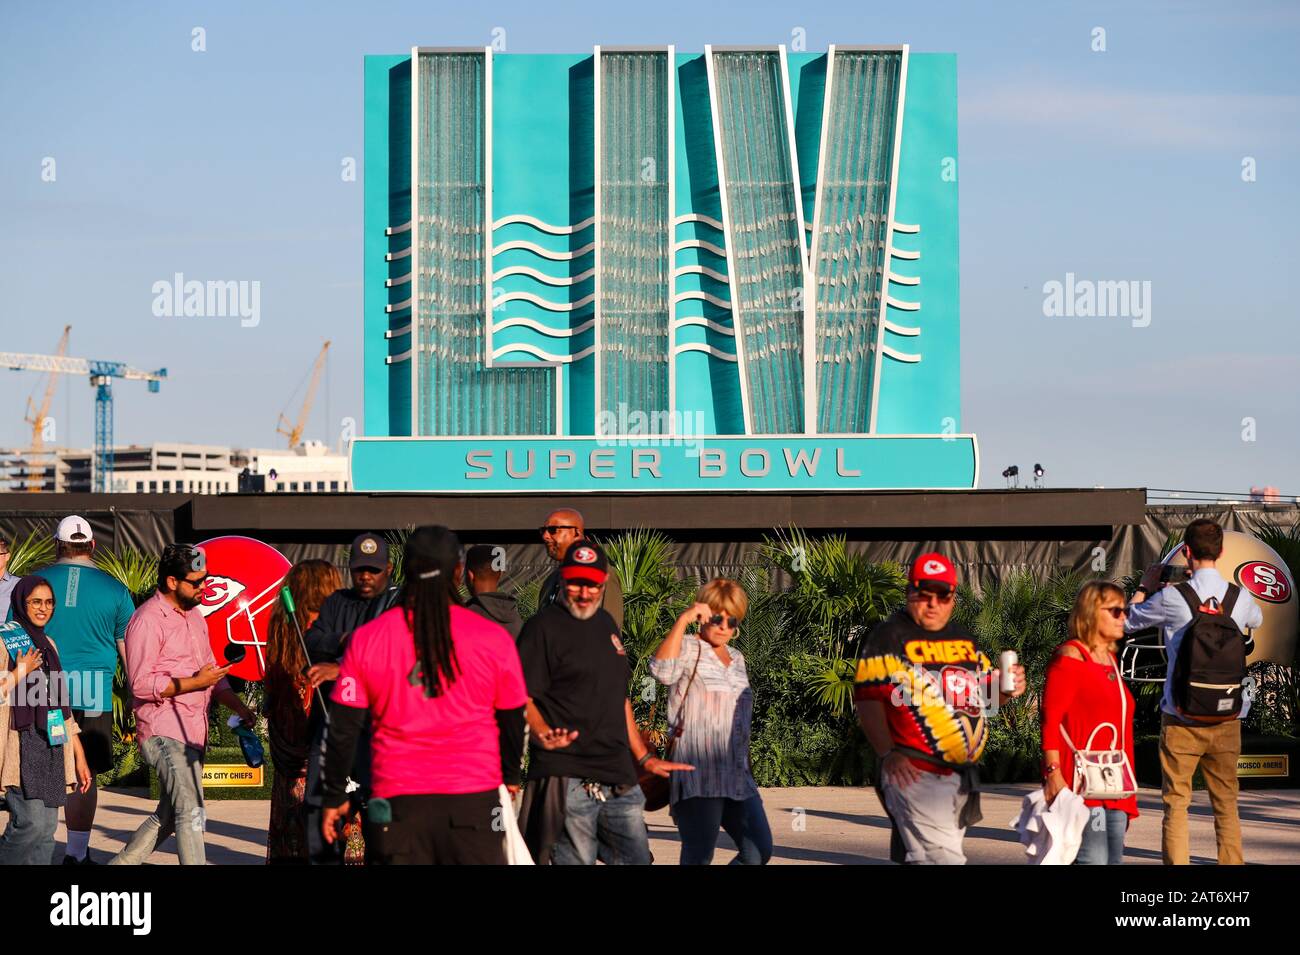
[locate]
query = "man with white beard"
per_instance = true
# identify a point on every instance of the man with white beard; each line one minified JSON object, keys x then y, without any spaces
{"x":582,"y":798}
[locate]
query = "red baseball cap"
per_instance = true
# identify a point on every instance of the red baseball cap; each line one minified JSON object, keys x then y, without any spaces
{"x":933,"y":568}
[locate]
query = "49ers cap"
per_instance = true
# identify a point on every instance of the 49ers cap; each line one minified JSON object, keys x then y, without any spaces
{"x":585,"y":561}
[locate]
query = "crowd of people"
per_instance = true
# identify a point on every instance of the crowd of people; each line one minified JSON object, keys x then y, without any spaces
{"x":409,"y":724}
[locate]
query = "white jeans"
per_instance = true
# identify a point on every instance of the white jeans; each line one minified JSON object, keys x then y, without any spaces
{"x":925,"y":814}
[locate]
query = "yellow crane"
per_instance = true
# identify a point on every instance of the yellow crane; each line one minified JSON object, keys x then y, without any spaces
{"x":295,"y":430}
{"x":36,"y":417}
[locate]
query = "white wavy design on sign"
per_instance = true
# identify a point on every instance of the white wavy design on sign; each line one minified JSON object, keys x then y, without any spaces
{"x":705,"y":323}
{"x":542,"y":276}
{"x":544,"y":303}
{"x":400,"y":330}
{"x":901,"y":305}
{"x":398,"y":229}
{"x":699,"y":270}
{"x":395,"y":359}
{"x":901,"y":329}
{"x":700,"y":244}
{"x":537,"y":326}
{"x":707,"y":349}
{"x":703,"y":297}
{"x":400,"y":280}
{"x":909,"y":229}
{"x":394,"y":256}
{"x":898,"y":355}
{"x":541,"y":226}
{"x":397,"y":306}
{"x":904,"y":279}
{"x":903,"y":253}
{"x":543,"y":252}
{"x":545,"y":356}
{"x":698,"y":217}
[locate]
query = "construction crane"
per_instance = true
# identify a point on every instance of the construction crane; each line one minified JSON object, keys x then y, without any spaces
{"x":101,"y":375}
{"x":36,"y":417}
{"x":296,"y":428}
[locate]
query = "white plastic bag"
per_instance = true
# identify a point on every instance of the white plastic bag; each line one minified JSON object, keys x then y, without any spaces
{"x":516,"y":849}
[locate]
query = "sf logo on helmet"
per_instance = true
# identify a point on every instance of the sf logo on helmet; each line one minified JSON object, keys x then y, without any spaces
{"x":1264,"y":581}
{"x":584,"y":555}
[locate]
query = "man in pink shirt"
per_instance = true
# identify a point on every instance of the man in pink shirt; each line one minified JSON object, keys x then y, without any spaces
{"x":173,"y":679}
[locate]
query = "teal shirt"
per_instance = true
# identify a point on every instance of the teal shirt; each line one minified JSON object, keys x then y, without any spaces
{"x":91,"y":611}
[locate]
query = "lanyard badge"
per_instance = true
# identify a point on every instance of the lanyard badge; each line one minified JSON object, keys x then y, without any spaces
{"x":55,"y":729}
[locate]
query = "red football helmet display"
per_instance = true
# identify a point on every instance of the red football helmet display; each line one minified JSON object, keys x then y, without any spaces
{"x":244,"y":578}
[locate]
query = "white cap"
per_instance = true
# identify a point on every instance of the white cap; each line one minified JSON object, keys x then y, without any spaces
{"x":74,"y":530}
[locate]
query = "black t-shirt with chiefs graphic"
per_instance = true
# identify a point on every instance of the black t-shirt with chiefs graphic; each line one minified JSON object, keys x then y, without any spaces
{"x":933,"y":685}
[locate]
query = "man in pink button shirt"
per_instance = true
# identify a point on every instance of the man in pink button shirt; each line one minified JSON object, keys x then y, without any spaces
{"x":173,"y":679}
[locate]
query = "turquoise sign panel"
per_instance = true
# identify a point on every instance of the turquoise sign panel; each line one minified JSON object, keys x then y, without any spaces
{"x":643,"y":463}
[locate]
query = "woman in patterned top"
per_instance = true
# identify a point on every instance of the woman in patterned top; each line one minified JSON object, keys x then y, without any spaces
{"x":709,"y":709}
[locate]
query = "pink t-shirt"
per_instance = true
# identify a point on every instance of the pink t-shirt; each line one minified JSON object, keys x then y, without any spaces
{"x":446,"y":744}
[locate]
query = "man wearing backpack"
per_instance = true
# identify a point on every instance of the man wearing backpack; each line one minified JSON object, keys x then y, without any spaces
{"x":1204,"y":622}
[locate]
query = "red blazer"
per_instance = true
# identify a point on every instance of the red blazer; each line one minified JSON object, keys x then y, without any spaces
{"x":1083,"y":694}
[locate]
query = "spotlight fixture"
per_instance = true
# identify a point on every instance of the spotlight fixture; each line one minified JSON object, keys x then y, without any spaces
{"x":1012,"y":474}
{"x":1039,"y":471}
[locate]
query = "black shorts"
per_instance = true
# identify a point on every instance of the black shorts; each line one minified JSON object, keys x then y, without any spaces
{"x":96,"y":739}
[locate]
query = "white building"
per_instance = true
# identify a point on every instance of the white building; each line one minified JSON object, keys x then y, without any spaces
{"x":173,"y":468}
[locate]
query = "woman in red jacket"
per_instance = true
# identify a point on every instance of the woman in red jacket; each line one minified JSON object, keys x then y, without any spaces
{"x":1084,"y":690}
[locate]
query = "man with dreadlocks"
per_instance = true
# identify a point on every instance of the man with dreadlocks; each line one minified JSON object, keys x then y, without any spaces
{"x":445,"y":693}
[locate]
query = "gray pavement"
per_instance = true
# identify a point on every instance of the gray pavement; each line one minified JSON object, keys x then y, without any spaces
{"x":810,"y":826}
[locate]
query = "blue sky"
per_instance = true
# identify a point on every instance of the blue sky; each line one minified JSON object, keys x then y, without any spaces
{"x":1117,"y":165}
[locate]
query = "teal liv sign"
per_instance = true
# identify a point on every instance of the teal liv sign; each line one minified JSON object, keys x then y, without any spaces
{"x":752,"y":246}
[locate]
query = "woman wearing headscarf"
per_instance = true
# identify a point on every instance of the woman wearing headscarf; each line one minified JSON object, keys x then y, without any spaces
{"x":41,"y":759}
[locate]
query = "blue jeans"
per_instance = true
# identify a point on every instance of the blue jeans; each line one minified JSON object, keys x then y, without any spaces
{"x":614,"y":828}
{"x":698,"y":820}
{"x":1103,"y":837}
{"x":180,"y":806}
{"x":29,"y":837}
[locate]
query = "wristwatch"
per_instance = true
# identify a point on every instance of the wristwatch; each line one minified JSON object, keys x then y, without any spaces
{"x":1048,"y":770}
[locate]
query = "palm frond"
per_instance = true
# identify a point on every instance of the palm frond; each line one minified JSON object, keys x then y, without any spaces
{"x":30,"y":554}
{"x":133,"y":569}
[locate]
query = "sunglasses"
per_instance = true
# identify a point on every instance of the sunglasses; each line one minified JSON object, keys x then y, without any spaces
{"x":195,"y":583}
{"x":718,"y":619}
{"x":553,"y":529}
{"x":1116,"y":612}
{"x":940,"y":596}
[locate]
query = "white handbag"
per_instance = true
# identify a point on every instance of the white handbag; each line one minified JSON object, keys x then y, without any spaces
{"x":516,"y":849}
{"x":1104,"y":773}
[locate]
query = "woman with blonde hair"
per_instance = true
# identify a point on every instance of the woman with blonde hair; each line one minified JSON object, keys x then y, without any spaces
{"x":1086,"y":704}
{"x":288,"y":703}
{"x":710,"y":705}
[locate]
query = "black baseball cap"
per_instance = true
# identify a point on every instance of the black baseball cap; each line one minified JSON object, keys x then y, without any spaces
{"x":368,"y":550}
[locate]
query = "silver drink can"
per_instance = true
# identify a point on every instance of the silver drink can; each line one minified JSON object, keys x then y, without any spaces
{"x":1006,"y":662}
